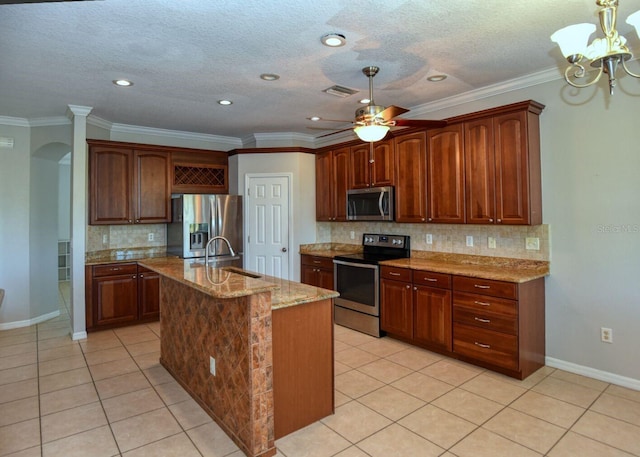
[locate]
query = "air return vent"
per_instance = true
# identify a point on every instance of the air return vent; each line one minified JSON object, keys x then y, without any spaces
{"x":340,"y":91}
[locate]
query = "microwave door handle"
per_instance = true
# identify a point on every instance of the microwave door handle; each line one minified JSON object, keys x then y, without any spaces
{"x":351,"y":209}
{"x":381,"y":204}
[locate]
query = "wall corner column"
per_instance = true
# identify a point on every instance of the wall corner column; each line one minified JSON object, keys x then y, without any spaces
{"x":78,"y":115}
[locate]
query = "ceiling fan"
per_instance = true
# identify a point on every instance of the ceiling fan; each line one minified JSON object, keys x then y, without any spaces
{"x":372,"y":122}
{"x":17,"y":2}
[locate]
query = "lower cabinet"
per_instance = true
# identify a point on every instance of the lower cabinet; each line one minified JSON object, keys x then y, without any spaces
{"x":416,"y":306}
{"x":316,"y":271}
{"x":495,"y":324}
{"x":120,"y":294}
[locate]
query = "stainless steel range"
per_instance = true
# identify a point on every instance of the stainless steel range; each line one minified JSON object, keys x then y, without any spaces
{"x":357,"y":278}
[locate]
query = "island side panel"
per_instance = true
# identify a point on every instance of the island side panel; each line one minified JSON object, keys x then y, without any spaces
{"x":237,"y":333}
{"x":303,"y":381}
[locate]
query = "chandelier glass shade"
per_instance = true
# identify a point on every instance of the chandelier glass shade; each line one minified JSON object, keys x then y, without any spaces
{"x":371,"y":133}
{"x":604,"y":53}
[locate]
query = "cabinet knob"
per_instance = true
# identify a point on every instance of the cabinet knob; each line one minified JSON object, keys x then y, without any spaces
{"x":423,"y":219}
{"x":430,"y":219}
{"x":134,"y":276}
{"x":499,"y":220}
{"x":415,"y":288}
{"x":408,"y":286}
{"x":129,"y":221}
{"x":141,"y":275}
{"x":490,"y":219}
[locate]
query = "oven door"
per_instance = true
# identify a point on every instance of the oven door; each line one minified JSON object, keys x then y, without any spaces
{"x":357,"y":284}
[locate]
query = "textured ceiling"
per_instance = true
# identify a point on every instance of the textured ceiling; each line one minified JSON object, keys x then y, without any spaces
{"x":185,"y":55}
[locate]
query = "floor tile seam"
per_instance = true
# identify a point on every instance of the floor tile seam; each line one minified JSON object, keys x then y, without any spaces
{"x":519,"y":444}
{"x":155,"y":441}
{"x":55,"y":336}
{"x":343,"y":450}
{"x":20,"y":421}
{"x":622,"y":396}
{"x":38,"y":387}
{"x":76,"y":433}
{"x":386,"y":417}
{"x":55,"y":358}
{"x":84,"y":351}
{"x":611,"y":417}
{"x":579,"y":384}
{"x":135,"y":415}
{"x":123,"y":393}
{"x":564,"y":381}
{"x":17,"y":353}
{"x":444,"y":450}
{"x":61,"y":388}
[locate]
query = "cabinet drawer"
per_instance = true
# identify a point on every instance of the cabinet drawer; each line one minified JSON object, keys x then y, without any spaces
{"x":395,"y":273}
{"x":486,"y":287}
{"x":115,"y":269}
{"x":317,"y":261}
{"x":488,"y":346}
{"x":485,"y":320}
{"x":486,"y":304}
{"x":428,"y":278}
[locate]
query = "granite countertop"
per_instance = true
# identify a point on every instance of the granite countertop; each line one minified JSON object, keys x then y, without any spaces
{"x":329,"y":249}
{"x":232,"y":282}
{"x":496,"y":268}
{"x":123,"y":255}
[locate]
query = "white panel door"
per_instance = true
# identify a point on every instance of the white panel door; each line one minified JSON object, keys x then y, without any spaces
{"x":268,"y":225}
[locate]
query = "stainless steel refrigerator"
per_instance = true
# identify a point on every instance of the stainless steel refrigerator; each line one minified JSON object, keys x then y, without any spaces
{"x":198,"y":218}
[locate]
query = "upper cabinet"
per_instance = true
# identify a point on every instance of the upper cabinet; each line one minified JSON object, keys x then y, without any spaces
{"x":332,"y":181}
{"x":371,"y":168}
{"x":410,"y":177}
{"x":131,"y":183}
{"x":503,"y":182}
{"x":445,"y":175}
{"x":128,"y":186}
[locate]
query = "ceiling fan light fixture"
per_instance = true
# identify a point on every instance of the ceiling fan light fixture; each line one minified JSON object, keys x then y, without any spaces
{"x":334,"y":40}
{"x":371,"y":133}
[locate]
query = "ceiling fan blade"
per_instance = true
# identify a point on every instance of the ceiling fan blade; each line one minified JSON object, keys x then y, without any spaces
{"x":333,"y":133}
{"x":19,"y":2}
{"x":323,"y":119}
{"x":418,"y":123}
{"x":392,"y":111}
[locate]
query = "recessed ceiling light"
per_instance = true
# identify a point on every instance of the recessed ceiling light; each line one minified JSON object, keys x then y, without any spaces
{"x":364,"y":101}
{"x":314,"y":118}
{"x":436,"y":78}
{"x":225,"y":102}
{"x":122,"y":82}
{"x":334,"y":40}
{"x":269,"y":76}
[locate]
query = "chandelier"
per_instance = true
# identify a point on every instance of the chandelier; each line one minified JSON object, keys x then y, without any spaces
{"x":603,"y":53}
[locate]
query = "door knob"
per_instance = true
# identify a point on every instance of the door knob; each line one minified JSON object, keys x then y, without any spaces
{"x":284,"y":249}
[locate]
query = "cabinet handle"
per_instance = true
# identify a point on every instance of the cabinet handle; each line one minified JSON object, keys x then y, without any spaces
{"x":134,"y":276}
{"x":482,"y":303}
{"x":415,"y":288}
{"x":129,"y":221}
{"x":423,"y":219}
{"x":394,"y":274}
{"x":317,"y":261}
{"x":490,"y":219}
{"x":486,"y":346}
{"x":431,"y":279}
{"x":485,"y":321}
{"x":479,"y":286}
{"x":115,"y":269}
{"x":499,"y":220}
{"x":408,"y":286}
{"x":141,"y":275}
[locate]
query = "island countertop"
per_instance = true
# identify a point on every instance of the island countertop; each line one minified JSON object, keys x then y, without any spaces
{"x":232,"y":282}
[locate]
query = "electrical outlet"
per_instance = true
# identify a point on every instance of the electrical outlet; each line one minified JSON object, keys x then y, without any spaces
{"x":532,"y":244}
{"x":105,"y":239}
{"x":469,"y":241}
{"x":352,"y":235}
{"x":212,"y":365}
{"x":606,"y":335}
{"x":150,"y":236}
{"x":429,"y":238}
{"x":491,"y":242}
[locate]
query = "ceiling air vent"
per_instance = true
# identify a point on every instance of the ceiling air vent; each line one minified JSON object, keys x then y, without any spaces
{"x":340,"y":91}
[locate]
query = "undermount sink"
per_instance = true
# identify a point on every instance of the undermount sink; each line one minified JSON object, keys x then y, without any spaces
{"x":241,"y":272}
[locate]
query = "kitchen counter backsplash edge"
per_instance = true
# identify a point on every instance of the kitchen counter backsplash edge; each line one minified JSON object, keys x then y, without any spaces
{"x":124,"y":255}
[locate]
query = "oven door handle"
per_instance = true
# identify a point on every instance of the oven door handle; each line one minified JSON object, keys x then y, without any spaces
{"x":357,"y":265}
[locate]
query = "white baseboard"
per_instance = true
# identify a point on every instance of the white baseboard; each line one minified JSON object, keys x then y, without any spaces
{"x":593,"y":373}
{"x":28,"y":322}
{"x":79,"y":336}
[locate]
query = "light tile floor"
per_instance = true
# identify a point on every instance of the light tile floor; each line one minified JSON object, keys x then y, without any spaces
{"x":108,"y":396}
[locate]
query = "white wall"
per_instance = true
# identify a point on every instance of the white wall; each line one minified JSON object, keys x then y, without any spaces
{"x":302,"y":166}
{"x":64,"y":201}
{"x":14,"y":225}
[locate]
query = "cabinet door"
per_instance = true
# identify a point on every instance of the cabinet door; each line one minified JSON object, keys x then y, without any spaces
{"x":152,"y":187}
{"x":359,"y":167}
{"x":148,"y":294}
{"x":410,"y":178}
{"x":308,"y":275}
{"x":382,"y":168}
{"x":479,"y":172}
{"x":111,"y":185}
{"x":115,"y":299}
{"x":512,"y":176}
{"x":445,"y":175}
{"x":325,"y":278}
{"x":341,"y":183}
{"x":396,"y":308}
{"x":432,"y":318}
{"x":324,"y":186}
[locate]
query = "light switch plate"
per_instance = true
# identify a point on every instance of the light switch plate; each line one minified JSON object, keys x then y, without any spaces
{"x":469,"y":241}
{"x":532,"y":244}
{"x":491,"y":242}
{"x":212,"y":365}
{"x":429,"y":238}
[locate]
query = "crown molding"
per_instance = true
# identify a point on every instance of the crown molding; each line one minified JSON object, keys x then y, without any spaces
{"x":99,"y":122}
{"x":165,"y":133}
{"x":78,"y":110}
{"x":14,"y":121}
{"x":49,"y":121}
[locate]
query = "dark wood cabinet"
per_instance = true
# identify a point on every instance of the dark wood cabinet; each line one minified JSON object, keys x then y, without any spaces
{"x":396,"y":307}
{"x":502,"y":167}
{"x":199,"y":172}
{"x":128,"y":186}
{"x":445,"y":175}
{"x":410,"y":177}
{"x":432,"y":309}
{"x":332,"y":182}
{"x":369,"y":168}
{"x":120,"y":294}
{"x":316,"y":271}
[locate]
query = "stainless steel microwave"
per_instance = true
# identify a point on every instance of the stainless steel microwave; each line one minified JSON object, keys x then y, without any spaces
{"x":371,"y":204}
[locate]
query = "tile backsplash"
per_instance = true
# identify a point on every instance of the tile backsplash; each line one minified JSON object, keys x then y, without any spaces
{"x":101,"y":237}
{"x":449,"y":238}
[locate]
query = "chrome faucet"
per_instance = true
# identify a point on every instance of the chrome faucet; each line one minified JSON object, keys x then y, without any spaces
{"x":206,"y":249}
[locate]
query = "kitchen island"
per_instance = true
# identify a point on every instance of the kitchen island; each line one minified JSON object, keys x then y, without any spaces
{"x":256,"y":352}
